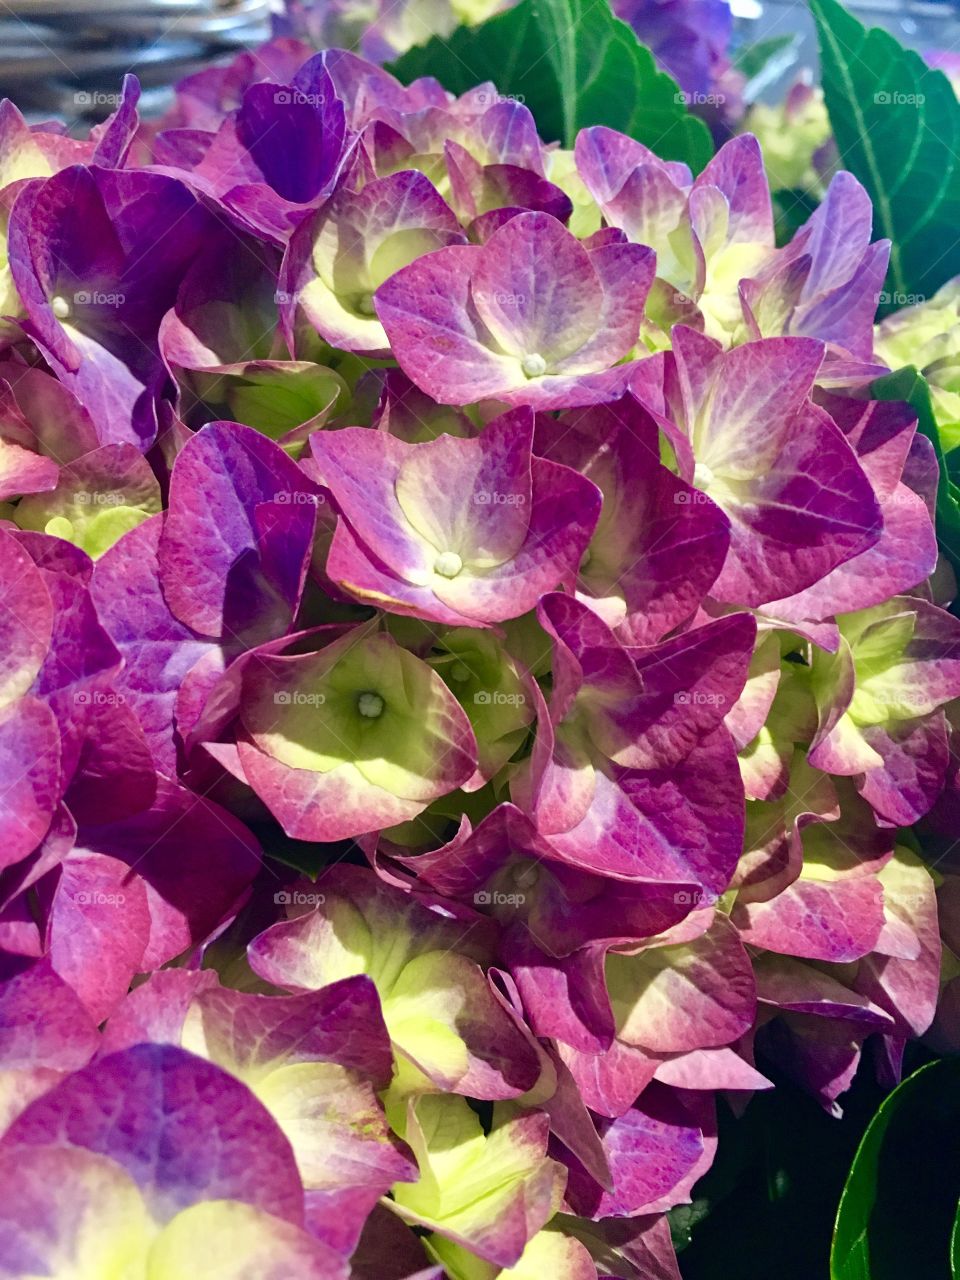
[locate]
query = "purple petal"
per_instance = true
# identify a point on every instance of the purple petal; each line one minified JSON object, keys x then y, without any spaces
{"x":183,"y":1129}
{"x":238,"y":534}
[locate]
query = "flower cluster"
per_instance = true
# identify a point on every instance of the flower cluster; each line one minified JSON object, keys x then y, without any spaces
{"x":472,"y":663}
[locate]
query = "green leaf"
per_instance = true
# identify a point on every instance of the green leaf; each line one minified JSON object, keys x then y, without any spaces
{"x":574,"y":64}
{"x":907,"y":384}
{"x":900,"y":1200}
{"x":791,"y":209}
{"x":897,"y":125}
{"x":752,"y":58}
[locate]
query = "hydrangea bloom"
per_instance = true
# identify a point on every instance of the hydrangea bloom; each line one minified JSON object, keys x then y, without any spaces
{"x":473,"y":654}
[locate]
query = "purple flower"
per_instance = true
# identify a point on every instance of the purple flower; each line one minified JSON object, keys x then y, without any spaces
{"x":530,"y":317}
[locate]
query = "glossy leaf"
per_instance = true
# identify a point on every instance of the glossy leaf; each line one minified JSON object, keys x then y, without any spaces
{"x":897,"y":125}
{"x":899,"y":1203}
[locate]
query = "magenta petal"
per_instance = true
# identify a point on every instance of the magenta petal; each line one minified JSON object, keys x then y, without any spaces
{"x":900,"y":466}
{"x":30,"y":761}
{"x":737,"y":172}
{"x":183,"y":1129}
{"x":115,"y":772}
{"x":26,"y":619}
{"x":154,"y":1011}
{"x":436,"y":335}
{"x":915,"y":756}
{"x":189,"y":897}
{"x":44,"y":1023}
{"x":661,"y":824}
{"x":341,"y":1023}
{"x":610,"y":1082}
{"x":656,"y":1151}
{"x":98,"y":929}
{"x":21,"y":470}
{"x":490,"y":322}
{"x":798,"y":501}
{"x":517,"y":525}
{"x":836,"y":921}
{"x":241,"y":514}
{"x":565,"y":999}
{"x":659,"y":544}
{"x":563,"y":907}
{"x":332,"y":265}
{"x":527,"y":307}
{"x":158,"y":649}
{"x":79,"y":238}
{"x":606,"y":158}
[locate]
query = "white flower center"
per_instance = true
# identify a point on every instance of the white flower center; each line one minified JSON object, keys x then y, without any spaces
{"x":525,"y":875}
{"x":370,"y":705}
{"x":534,"y":366}
{"x":61,"y":307}
{"x":703,"y":476}
{"x":448,"y":564}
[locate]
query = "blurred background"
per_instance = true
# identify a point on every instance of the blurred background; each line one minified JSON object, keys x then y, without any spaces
{"x":67,"y":58}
